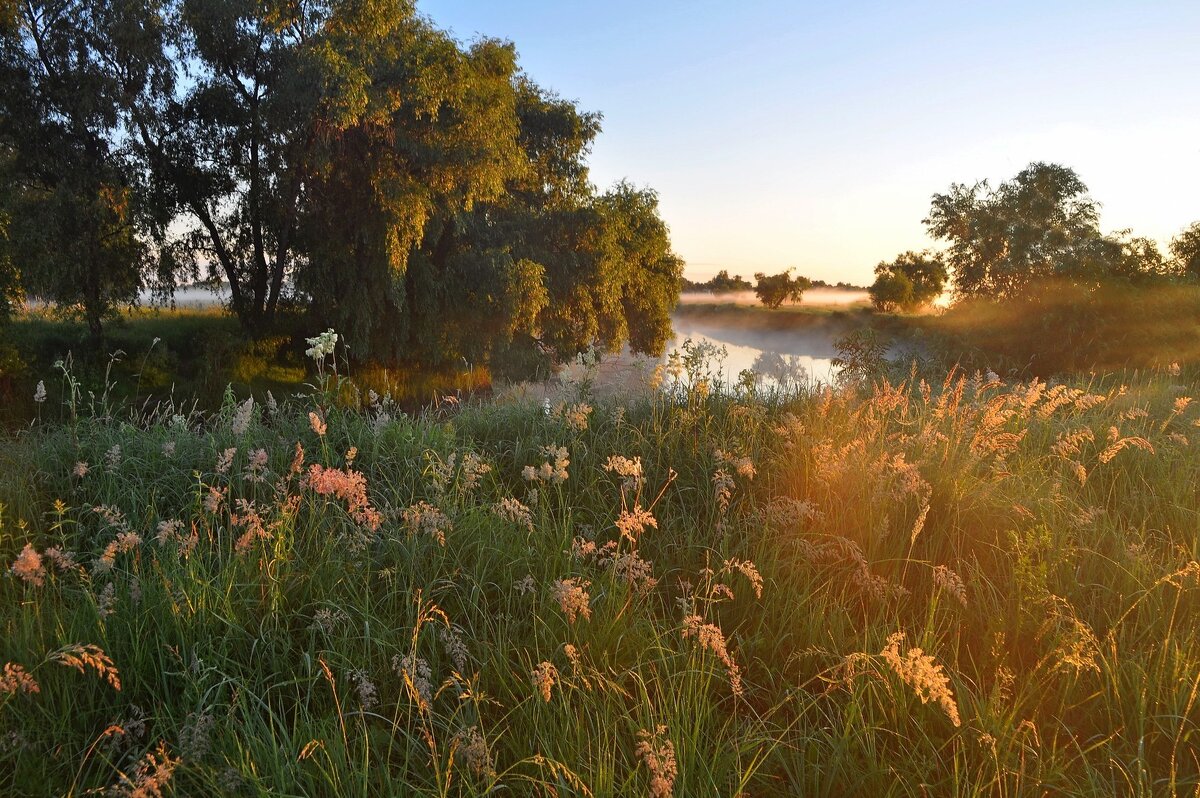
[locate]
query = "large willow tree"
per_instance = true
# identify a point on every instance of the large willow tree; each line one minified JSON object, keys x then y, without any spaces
{"x":449,"y":211}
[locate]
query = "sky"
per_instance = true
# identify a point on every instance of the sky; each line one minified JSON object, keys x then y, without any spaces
{"x":812,"y":135}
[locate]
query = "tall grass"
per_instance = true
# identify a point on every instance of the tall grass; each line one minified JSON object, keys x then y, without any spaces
{"x":966,"y":588}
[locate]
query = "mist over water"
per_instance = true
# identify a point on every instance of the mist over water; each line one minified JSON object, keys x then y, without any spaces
{"x":813,"y":297}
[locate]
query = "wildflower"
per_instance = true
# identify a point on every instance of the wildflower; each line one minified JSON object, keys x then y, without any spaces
{"x":168,"y":449}
{"x":1173,"y":369}
{"x":350,"y":487}
{"x":441,"y":472}
{"x":633,"y":570}
{"x":632,"y":523}
{"x":247,"y":517}
{"x":17,"y":680}
{"x":723,"y":484}
{"x":126,"y":541}
{"x":750,"y":571}
{"x":225,"y":460}
{"x":417,"y":675}
{"x":85,"y":656}
{"x":107,"y":600}
{"x":242,"y":417}
{"x":474,"y":751}
{"x":952,"y":583}
{"x":213,"y":499}
{"x":920,"y":672}
{"x":473,"y":469}
{"x":150,"y":776}
{"x":39,"y":393}
{"x":327,"y":620}
{"x":743,"y":465}
{"x":256,"y":465}
{"x":658,"y":755}
{"x":321,"y":345}
{"x":630,"y":471}
{"x":81,"y":469}
{"x":555,"y":471}
{"x":194,"y":737}
{"x":573,"y":656}
{"x":112,"y":458}
{"x":573,"y":598}
{"x":64,"y":560}
{"x":514,"y":512}
{"x":454,"y":646}
{"x":297,"y":460}
{"x":525,"y":586}
{"x":317,"y":423}
{"x":1181,"y":403}
{"x":368,"y":693}
{"x":655,"y":378}
{"x":544,"y":677}
{"x":575,"y":416}
{"x":424,"y":518}
{"x":709,"y":636}
{"x":28,"y":567}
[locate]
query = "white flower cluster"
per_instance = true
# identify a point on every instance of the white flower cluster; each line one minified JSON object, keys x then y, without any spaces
{"x":322,"y":345}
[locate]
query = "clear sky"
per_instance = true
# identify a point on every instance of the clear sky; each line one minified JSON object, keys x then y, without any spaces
{"x":812,"y":134}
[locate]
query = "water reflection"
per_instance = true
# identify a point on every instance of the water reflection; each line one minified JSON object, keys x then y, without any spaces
{"x":782,"y":359}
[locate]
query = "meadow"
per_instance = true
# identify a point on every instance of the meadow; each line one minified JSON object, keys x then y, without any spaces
{"x":961,"y":586}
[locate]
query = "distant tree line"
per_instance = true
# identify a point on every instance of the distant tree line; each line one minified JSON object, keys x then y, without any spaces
{"x":346,"y":157}
{"x":1035,"y":232}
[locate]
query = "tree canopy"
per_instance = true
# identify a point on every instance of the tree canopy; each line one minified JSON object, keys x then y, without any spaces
{"x":1185,"y":247}
{"x":913,"y":280}
{"x":1040,"y":225}
{"x":75,"y":225}
{"x":721,"y":283}
{"x":775,"y":289}
{"x":425,"y":197}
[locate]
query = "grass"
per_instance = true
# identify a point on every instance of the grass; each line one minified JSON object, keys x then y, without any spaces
{"x":395,"y":624}
{"x":150,"y":354}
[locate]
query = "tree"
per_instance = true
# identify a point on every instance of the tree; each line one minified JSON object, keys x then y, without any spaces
{"x":891,"y":291}
{"x":722,"y":283}
{"x":10,"y":281}
{"x":1185,"y":247}
{"x":69,"y":184}
{"x":426,"y":198}
{"x":775,"y":289}
{"x":909,"y":282}
{"x":1039,"y":225}
{"x":441,"y":237}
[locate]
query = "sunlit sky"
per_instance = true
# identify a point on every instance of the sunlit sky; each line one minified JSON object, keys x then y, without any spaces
{"x":784,"y":134}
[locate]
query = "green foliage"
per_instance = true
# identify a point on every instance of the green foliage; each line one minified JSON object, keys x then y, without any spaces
{"x":722,"y":283}
{"x":861,"y":358}
{"x":909,"y":282}
{"x":1063,"y":327}
{"x":75,"y":223}
{"x":1185,"y":247}
{"x":1035,"y":542}
{"x":891,"y":290}
{"x":775,"y":289}
{"x":425,"y":198}
{"x":1040,"y":225}
{"x":10,"y":278}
